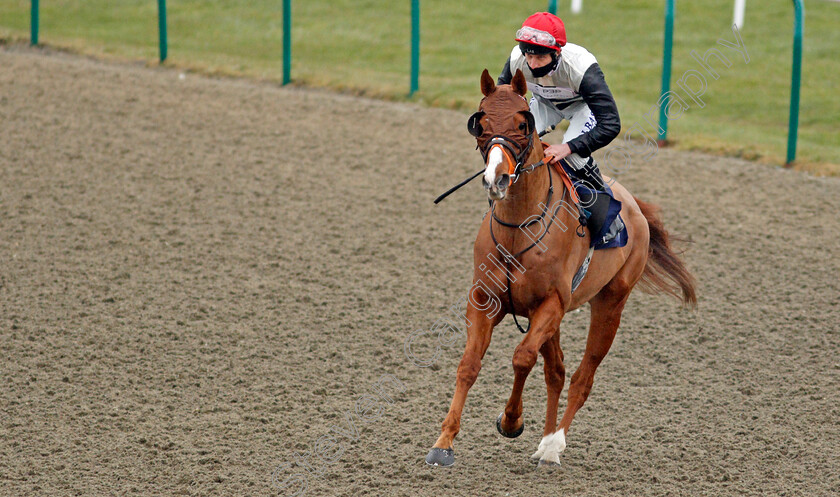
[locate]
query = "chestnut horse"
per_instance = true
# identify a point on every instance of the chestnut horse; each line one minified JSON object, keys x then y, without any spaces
{"x":529,"y":272}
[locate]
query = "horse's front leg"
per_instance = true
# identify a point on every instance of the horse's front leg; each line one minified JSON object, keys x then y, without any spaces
{"x":479,"y":329}
{"x":544,"y":323}
{"x":551,"y":444}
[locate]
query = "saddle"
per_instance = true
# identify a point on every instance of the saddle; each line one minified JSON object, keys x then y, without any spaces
{"x":598,"y":206}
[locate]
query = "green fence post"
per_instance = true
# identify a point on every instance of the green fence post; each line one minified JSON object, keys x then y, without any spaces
{"x":552,"y":6}
{"x":162,"y":28}
{"x":33,"y":37}
{"x":287,"y":41}
{"x":415,"y":47}
{"x":670,"y":7}
{"x":796,"y":76}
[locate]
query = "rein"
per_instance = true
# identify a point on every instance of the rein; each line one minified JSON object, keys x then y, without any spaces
{"x":529,"y":223}
{"x":478,"y":173}
{"x":520,"y":226}
{"x":520,"y":154}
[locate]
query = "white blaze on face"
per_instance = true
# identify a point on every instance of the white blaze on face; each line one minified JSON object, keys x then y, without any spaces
{"x":495,"y":158}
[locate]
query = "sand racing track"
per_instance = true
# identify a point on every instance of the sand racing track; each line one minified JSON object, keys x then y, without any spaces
{"x":200,"y":277}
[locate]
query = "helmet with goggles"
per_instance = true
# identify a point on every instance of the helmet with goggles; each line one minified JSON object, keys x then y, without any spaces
{"x":541,"y":33}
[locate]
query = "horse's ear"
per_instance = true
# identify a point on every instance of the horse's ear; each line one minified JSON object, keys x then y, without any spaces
{"x":488,"y":86}
{"x":519,"y":84}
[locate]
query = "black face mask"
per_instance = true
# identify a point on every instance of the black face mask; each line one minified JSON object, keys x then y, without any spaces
{"x":544,"y":70}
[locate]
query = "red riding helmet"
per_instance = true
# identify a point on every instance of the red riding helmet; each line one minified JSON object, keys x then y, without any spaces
{"x":541,"y":33}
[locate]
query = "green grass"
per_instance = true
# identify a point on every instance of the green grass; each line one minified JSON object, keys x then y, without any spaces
{"x":363,"y":47}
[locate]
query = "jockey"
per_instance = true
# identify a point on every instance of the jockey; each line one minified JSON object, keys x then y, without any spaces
{"x":565,"y":83}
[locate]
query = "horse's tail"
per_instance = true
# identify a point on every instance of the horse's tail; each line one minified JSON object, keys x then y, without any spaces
{"x":665,"y":270}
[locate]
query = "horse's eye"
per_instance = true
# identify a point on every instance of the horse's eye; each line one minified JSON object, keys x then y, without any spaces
{"x":522,"y":126}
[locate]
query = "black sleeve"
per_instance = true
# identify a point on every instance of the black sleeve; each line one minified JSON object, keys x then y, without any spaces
{"x":596,"y":94}
{"x":506,"y":76}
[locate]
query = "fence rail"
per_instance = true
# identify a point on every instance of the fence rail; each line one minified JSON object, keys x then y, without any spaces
{"x":796,"y":73}
{"x":414,"y":81}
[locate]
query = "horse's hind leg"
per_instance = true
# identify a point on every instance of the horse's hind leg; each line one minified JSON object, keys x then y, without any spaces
{"x":555,"y":377}
{"x":544,"y":323}
{"x":606,"y":310}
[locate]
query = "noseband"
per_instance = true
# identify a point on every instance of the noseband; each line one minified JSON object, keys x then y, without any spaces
{"x":519,"y":153}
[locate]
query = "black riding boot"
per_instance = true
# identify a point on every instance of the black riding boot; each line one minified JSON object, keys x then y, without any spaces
{"x":598,"y":206}
{"x":591,"y":175}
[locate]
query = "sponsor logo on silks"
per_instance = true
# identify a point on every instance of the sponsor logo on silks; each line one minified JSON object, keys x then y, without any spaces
{"x":590,"y":123}
{"x":552,"y":93}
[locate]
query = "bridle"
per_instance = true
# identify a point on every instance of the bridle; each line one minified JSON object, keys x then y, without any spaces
{"x":520,"y":155}
{"x":524,"y":224}
{"x":512,"y":148}
{"x":517,"y":151}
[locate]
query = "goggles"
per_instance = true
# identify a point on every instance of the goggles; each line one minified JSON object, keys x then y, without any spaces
{"x":528,"y":34}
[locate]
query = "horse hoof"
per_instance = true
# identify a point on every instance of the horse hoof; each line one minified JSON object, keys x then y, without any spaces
{"x":440,"y":457}
{"x":544,"y":464}
{"x":506,"y":434}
